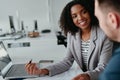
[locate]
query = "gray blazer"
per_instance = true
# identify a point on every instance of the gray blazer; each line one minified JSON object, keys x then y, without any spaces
{"x":99,"y":54}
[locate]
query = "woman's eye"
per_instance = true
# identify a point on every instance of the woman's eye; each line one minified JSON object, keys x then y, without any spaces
{"x":85,"y":11}
{"x":74,"y":16}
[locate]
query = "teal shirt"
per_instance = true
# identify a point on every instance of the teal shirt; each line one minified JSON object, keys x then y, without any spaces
{"x":112,"y":71}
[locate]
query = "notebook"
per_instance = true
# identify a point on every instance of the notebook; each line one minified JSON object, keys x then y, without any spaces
{"x":10,"y":70}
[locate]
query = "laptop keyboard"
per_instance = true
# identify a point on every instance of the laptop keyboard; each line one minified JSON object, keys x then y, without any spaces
{"x":17,"y":70}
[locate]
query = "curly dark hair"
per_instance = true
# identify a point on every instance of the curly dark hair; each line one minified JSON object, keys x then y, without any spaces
{"x":66,"y":22}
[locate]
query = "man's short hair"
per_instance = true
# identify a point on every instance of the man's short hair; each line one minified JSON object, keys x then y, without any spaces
{"x":112,"y":4}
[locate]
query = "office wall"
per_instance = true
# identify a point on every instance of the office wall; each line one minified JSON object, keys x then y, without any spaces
{"x":56,"y":9}
{"x":47,"y":13}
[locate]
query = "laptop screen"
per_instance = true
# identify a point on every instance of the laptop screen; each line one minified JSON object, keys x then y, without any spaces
{"x":4,"y":57}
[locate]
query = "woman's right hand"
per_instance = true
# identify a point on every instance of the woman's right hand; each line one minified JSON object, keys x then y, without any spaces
{"x":32,"y":69}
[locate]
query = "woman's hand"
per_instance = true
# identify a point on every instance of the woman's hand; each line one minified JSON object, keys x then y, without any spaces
{"x":32,"y":69}
{"x":82,"y":77}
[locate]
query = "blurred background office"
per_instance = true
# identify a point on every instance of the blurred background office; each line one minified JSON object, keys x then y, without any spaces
{"x":46,"y":12}
{"x":32,"y":15}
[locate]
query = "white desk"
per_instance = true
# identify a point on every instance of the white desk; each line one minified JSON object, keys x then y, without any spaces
{"x":68,"y":75}
{"x":41,"y":48}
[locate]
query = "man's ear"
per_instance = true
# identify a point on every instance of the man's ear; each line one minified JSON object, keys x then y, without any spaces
{"x":113,"y":20}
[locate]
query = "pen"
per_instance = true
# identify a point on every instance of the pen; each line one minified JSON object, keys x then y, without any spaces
{"x":30,"y":61}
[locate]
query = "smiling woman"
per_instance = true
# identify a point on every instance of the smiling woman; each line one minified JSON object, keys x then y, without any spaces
{"x":86,"y":43}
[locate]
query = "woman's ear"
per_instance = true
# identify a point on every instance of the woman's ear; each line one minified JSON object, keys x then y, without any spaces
{"x":113,"y":20}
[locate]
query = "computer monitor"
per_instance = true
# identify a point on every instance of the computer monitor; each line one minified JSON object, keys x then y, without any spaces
{"x":12,"y":24}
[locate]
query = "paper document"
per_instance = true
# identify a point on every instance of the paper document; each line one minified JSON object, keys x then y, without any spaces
{"x":68,"y":75}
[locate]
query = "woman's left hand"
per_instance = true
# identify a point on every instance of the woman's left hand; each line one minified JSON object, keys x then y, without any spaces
{"x":82,"y":77}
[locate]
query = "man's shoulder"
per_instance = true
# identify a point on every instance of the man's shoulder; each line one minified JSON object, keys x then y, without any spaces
{"x":115,"y":60}
{"x":116,"y":51}
{"x":112,"y":71}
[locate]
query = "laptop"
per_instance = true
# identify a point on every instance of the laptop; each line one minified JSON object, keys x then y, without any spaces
{"x":8,"y":69}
